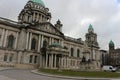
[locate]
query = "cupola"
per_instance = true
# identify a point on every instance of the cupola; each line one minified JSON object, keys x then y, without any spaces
{"x":111,"y":45}
{"x":90,"y":29}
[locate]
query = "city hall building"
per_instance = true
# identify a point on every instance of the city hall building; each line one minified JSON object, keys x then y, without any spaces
{"x":34,"y":42}
{"x":114,"y":55}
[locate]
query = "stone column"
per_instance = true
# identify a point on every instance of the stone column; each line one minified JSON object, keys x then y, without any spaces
{"x":62,"y":65}
{"x":51,"y":60}
{"x":5,"y":39}
{"x":50,"y":41}
{"x":46,"y":60}
{"x":30,"y":41}
{"x":59,"y":41}
{"x":16,"y":40}
{"x":39,"y":43}
{"x":62,"y":43}
{"x":66,"y":62}
{"x":62,"y":62}
{"x":69,"y":63}
{"x":2,"y":37}
{"x":55,"y":61}
{"x":75,"y":63}
{"x":34,"y":16}
{"x":41,"y":18}
{"x":27,"y":41}
{"x":37,"y":17}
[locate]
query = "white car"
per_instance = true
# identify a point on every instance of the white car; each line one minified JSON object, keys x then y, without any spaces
{"x":109,"y":68}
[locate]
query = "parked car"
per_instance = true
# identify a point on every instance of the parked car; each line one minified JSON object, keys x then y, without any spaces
{"x":109,"y":68}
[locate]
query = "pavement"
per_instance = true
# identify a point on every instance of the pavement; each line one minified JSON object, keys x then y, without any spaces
{"x":8,"y":73}
{"x":5,"y":68}
{"x":3,"y":77}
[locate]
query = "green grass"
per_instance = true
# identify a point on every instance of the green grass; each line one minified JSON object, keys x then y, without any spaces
{"x":96,"y":74}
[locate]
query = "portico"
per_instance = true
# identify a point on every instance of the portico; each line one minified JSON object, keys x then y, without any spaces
{"x":55,"y":57}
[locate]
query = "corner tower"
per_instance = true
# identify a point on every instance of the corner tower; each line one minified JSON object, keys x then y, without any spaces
{"x":111,"y":45}
{"x":58,"y":25}
{"x":34,"y":12}
{"x":91,"y":37}
{"x":91,"y":41}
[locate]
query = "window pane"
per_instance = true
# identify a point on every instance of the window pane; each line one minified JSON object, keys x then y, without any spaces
{"x":31,"y":57}
{"x":78,"y":53}
{"x":10,"y":41}
{"x":5,"y":57}
{"x":35,"y":59}
{"x":72,"y":50}
{"x":33,"y":46}
{"x":11,"y":58}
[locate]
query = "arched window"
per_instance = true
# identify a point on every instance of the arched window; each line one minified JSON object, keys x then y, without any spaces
{"x":72,"y":51}
{"x":31,"y":57}
{"x":34,"y":43}
{"x":5,"y":57}
{"x":78,"y":53}
{"x":10,"y":41}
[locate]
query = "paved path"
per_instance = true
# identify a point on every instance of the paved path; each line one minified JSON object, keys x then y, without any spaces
{"x":23,"y":75}
{"x":27,"y":75}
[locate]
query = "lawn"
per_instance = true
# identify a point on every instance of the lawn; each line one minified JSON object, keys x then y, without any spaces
{"x":96,"y":74}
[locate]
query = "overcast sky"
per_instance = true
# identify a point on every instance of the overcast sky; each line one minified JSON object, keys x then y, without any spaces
{"x":76,"y":15}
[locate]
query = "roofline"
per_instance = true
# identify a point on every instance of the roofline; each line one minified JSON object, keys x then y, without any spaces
{"x":9,"y":22}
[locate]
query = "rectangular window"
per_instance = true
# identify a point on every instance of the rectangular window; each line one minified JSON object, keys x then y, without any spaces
{"x":35,"y":59}
{"x":11,"y":58}
{"x":31,"y":57}
{"x":5,"y":58}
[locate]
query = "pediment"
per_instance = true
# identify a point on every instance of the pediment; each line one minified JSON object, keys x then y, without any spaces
{"x":49,"y":28}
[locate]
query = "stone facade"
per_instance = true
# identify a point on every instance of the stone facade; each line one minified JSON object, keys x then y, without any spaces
{"x":33,"y":42}
{"x":114,"y":55}
{"x":104,"y":57}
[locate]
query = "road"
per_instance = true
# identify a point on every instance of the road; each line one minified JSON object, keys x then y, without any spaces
{"x":23,"y":75}
{"x":26,"y":75}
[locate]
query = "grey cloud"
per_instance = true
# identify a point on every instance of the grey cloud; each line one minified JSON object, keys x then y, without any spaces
{"x":76,"y":15}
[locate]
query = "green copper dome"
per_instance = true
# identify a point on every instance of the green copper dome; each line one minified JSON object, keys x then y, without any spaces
{"x":90,"y":27}
{"x":111,"y":43}
{"x":55,"y":45}
{"x":39,"y":2}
